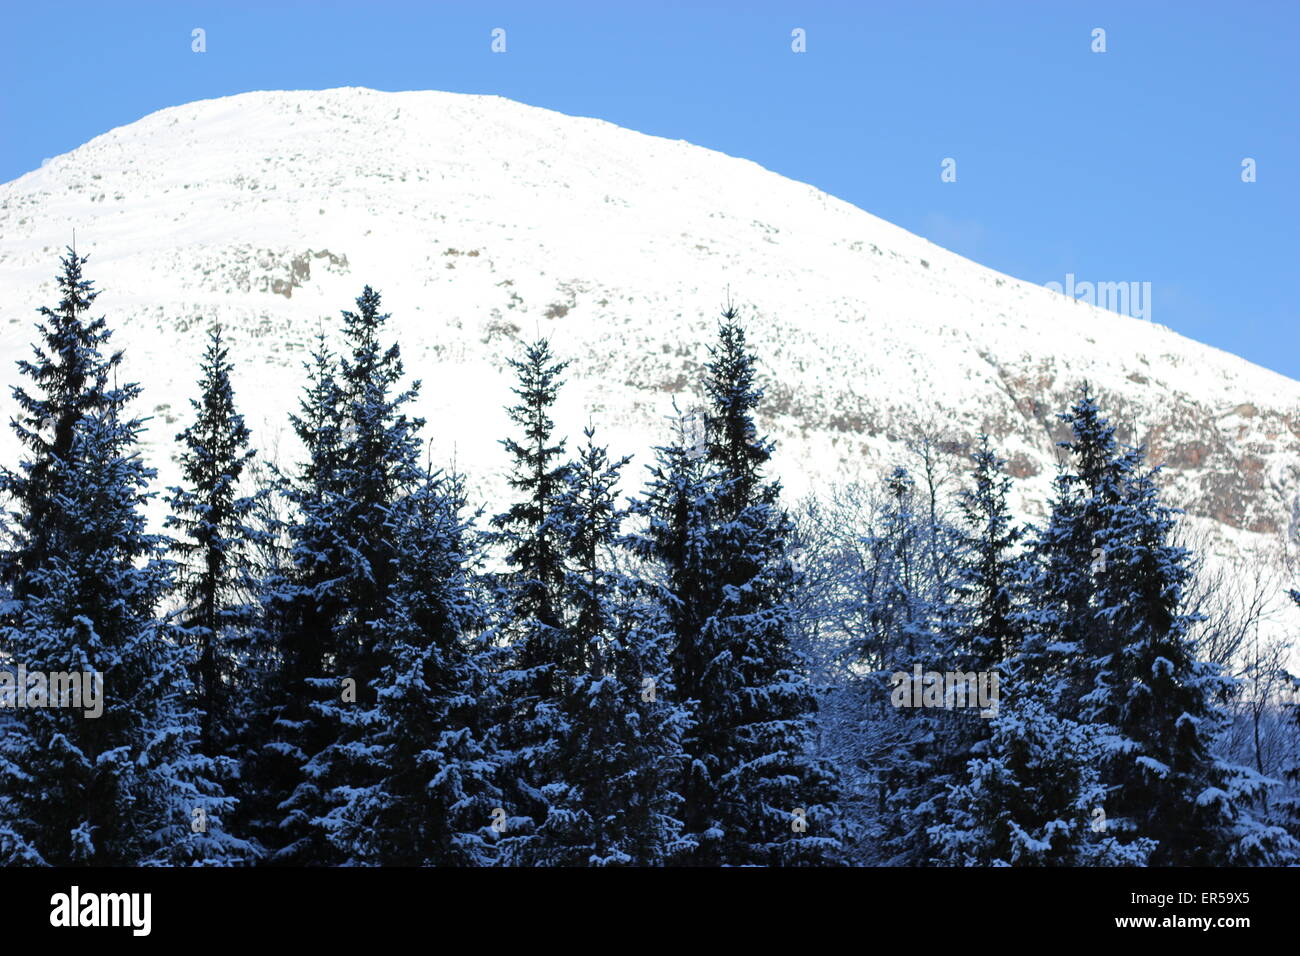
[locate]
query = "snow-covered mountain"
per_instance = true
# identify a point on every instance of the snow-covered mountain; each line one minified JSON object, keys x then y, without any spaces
{"x":484,"y":222}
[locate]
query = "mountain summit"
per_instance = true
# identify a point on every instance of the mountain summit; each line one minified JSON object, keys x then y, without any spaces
{"x":485,"y":222}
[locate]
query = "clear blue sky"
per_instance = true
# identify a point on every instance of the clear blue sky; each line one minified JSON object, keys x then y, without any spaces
{"x":1122,"y":166}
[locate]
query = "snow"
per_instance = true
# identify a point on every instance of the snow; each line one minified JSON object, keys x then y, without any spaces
{"x":484,"y":221}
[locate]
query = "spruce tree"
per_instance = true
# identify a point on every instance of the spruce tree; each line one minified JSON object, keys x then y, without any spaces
{"x":362,"y":450}
{"x":1022,"y":786}
{"x":117,"y":780}
{"x":980,"y":631}
{"x":1150,"y":686}
{"x":70,"y":378}
{"x":427,"y":733}
{"x":216,"y":548}
{"x":1073,"y":552}
{"x":301,"y":601}
{"x":378,"y":465}
{"x":1112,"y":624}
{"x":1032,"y":795}
{"x":753,"y":793}
{"x":991,"y":573}
{"x":622,"y":745}
{"x":542,"y":650}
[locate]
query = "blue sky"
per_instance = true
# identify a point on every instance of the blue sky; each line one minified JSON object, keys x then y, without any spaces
{"x":1115,"y":166}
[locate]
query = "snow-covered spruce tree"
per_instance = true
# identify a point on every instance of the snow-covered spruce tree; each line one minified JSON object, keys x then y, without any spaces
{"x":982,"y":627}
{"x":1112,"y":593}
{"x":1157,"y":693}
{"x":622,"y":749}
{"x":990,"y":589}
{"x":70,"y":377}
{"x":1071,"y":554}
{"x":380,"y":462}
{"x":265,"y":712}
{"x":1032,"y":794}
{"x":363,"y":456}
{"x":1020,"y":788}
{"x":672,"y":543}
{"x":216,"y":546}
{"x":542,"y":651}
{"x":426,"y":735}
{"x":117,"y":780}
{"x":301,"y":602}
{"x":753,"y":792}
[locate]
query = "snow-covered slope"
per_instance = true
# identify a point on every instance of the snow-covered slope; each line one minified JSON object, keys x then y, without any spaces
{"x":484,"y":222}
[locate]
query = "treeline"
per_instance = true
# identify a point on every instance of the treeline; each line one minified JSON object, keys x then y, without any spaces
{"x":342,"y":663}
